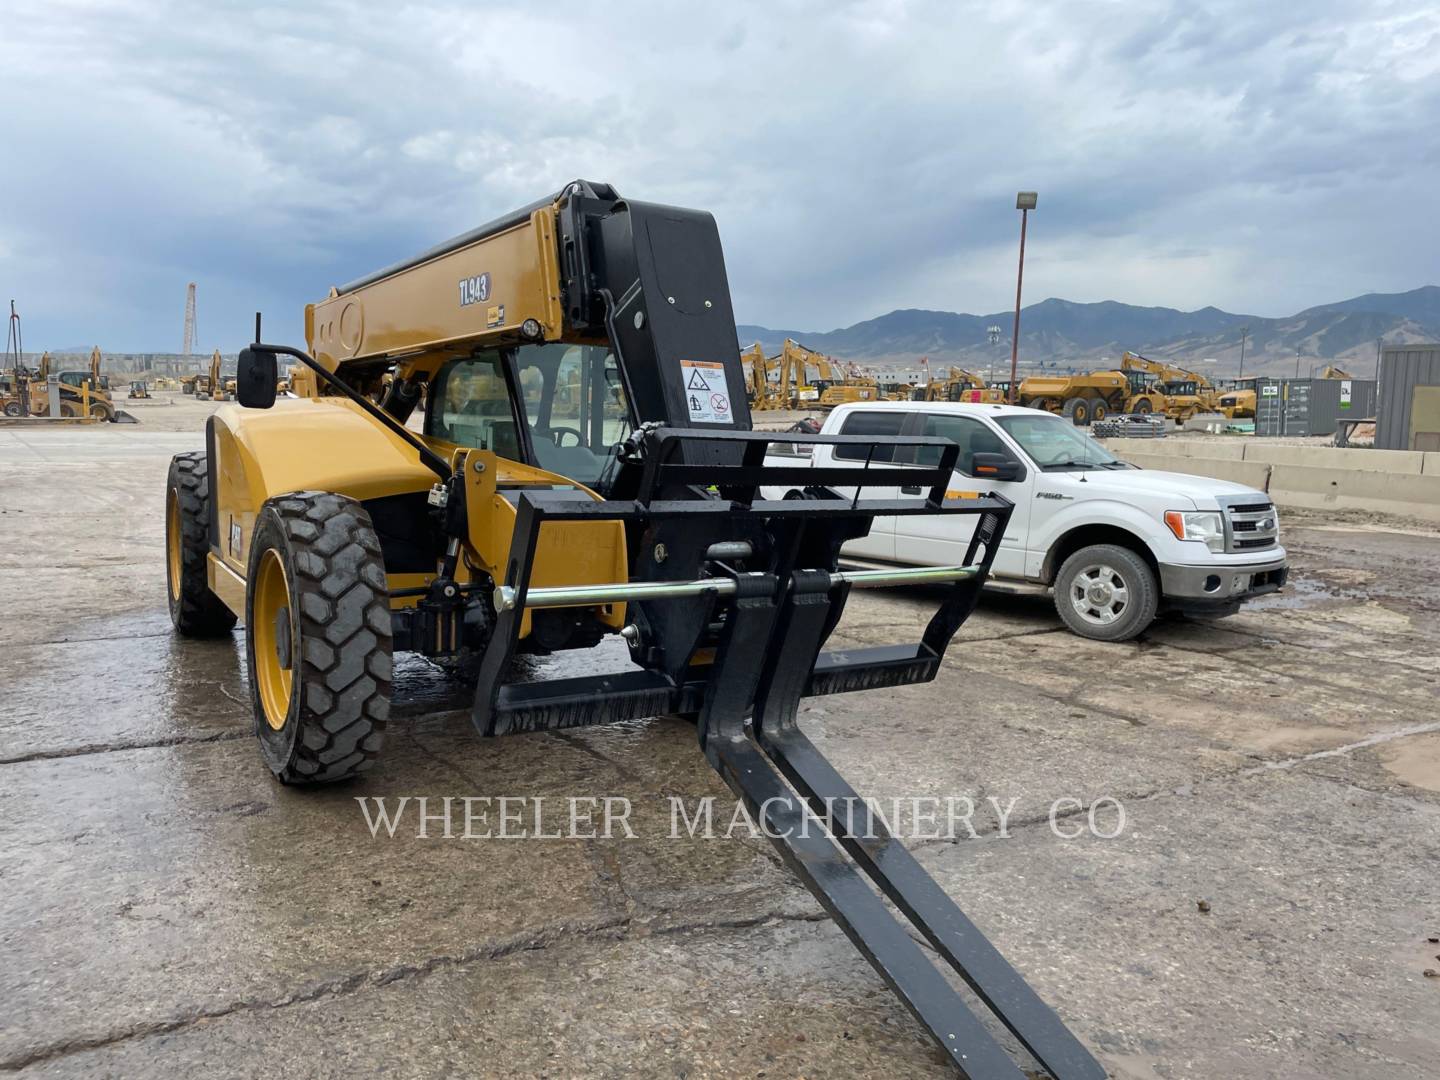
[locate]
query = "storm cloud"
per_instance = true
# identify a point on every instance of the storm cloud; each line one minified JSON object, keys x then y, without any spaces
{"x":859,"y":157}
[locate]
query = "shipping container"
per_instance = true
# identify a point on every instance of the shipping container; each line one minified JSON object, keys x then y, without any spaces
{"x":1408,"y":414}
{"x":1310,"y":406}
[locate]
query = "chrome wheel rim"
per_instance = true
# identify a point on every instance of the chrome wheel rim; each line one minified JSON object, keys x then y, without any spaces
{"x":1099,"y":594}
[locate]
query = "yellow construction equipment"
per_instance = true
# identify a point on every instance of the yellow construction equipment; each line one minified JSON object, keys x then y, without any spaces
{"x":1237,"y":404}
{"x":1329,"y":371}
{"x":952,"y":387}
{"x":1138,"y":385}
{"x":83,"y":392}
{"x":527,"y":518}
{"x":1081,"y":398}
{"x":757,"y":382}
{"x":1181,"y":394}
{"x":212,"y":384}
{"x":796,"y":391}
{"x":138,"y":389}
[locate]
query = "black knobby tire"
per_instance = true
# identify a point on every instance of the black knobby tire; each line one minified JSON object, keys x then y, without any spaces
{"x":194,"y":609}
{"x":1133,"y":572}
{"x":1143,"y":407}
{"x":1099,"y":412}
{"x":12,"y":409}
{"x":1077,"y":411}
{"x":339,"y":608}
{"x":102,"y":411}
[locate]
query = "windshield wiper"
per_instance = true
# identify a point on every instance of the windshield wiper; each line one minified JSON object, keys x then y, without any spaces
{"x":1071,"y":463}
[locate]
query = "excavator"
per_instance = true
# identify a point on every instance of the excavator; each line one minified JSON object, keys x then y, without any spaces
{"x":957,"y":385}
{"x":757,"y":377}
{"x":640,"y":510}
{"x":794,"y":362}
{"x":1179,"y":393}
{"x":843,"y":382}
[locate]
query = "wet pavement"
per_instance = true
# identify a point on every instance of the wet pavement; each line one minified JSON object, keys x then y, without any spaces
{"x":170,"y":911}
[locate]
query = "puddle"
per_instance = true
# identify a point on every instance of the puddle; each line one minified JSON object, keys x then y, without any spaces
{"x":1304,"y":591}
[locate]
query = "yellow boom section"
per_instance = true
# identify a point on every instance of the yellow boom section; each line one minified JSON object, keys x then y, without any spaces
{"x":481,"y":294}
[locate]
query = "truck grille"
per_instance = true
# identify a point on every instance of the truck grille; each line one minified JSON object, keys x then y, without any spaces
{"x":1250,"y":526}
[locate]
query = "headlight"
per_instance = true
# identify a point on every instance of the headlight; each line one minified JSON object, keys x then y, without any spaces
{"x":1200,"y":525}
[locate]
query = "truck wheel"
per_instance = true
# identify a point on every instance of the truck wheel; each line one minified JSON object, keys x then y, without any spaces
{"x":1106,"y":592}
{"x":317,"y":637}
{"x":194,"y":609}
{"x":12,"y":409}
{"x":1099,"y":412}
{"x":1077,"y":411}
{"x":102,"y":411}
{"x":1142,"y":407}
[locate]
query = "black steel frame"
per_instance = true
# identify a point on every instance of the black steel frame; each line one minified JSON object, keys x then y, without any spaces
{"x":769,"y":655}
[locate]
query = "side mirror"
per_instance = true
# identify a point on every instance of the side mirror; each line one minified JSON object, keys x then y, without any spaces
{"x":255,"y":378}
{"x":996,"y":467}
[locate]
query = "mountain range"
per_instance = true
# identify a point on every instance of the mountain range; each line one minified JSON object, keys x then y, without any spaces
{"x":1063,"y":334}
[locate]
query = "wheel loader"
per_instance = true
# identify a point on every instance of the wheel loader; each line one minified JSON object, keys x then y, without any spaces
{"x":585,"y":468}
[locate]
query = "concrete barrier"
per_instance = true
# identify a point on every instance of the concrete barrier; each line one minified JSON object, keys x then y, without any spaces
{"x":1217,"y":449}
{"x":1403,"y":462}
{"x":1351,"y":489}
{"x":1402,"y":482}
{"x":1254,"y":474}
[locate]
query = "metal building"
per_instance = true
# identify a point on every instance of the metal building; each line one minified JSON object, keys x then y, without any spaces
{"x":1408,"y":417}
{"x":1310,"y":406}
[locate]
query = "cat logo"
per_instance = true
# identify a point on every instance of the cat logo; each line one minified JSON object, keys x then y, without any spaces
{"x":474,"y":290}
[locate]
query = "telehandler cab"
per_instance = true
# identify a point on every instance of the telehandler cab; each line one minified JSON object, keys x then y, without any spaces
{"x":586,"y":467}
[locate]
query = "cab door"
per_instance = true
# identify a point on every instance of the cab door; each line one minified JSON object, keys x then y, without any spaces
{"x":941,"y":539}
{"x":880,"y":543}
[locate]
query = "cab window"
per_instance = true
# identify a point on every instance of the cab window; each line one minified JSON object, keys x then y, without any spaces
{"x":572,"y":408}
{"x":575,"y":408}
{"x":470,"y":406}
{"x":970,"y":435}
{"x":867,"y":422}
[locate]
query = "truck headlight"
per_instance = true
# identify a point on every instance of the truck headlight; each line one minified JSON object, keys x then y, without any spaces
{"x":1200,"y":525}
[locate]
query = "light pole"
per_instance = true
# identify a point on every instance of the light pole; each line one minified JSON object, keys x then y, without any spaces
{"x":1024,"y":202}
{"x":993,"y":333}
{"x":1244,"y":332}
{"x":1297,"y":363}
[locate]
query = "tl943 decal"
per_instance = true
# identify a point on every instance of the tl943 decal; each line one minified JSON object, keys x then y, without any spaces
{"x":474,"y":290}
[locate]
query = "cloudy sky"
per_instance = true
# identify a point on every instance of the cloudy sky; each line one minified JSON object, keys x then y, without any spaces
{"x":859,"y":157}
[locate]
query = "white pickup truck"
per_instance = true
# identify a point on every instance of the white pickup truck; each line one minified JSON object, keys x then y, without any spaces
{"x":1116,"y":544}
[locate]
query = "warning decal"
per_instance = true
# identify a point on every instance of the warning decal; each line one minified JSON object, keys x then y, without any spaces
{"x":707,"y":394}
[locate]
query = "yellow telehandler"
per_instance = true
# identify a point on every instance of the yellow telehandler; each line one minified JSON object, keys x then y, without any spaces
{"x":586,"y":467}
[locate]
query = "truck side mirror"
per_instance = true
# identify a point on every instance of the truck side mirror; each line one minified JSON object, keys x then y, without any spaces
{"x":255,"y":378}
{"x":996,"y":467}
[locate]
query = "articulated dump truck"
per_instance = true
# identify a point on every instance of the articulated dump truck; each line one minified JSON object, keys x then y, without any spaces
{"x":585,"y":467}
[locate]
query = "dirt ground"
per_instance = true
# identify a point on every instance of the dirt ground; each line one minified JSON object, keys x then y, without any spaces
{"x":1269,"y":907}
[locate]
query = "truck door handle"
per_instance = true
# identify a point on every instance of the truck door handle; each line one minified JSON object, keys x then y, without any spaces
{"x":910,"y":489}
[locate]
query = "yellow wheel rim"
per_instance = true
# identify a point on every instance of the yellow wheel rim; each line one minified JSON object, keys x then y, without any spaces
{"x":174,"y":559}
{"x":274,"y":638}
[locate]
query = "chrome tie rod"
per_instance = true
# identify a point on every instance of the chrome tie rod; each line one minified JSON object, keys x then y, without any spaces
{"x":507,"y":596}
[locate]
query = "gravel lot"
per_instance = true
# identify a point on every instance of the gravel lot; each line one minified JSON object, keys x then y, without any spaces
{"x":170,"y":911}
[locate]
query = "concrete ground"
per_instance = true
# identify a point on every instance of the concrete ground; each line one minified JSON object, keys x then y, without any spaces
{"x":1269,"y":909}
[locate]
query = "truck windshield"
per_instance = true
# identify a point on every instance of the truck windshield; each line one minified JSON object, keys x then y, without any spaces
{"x":1055,"y":443}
